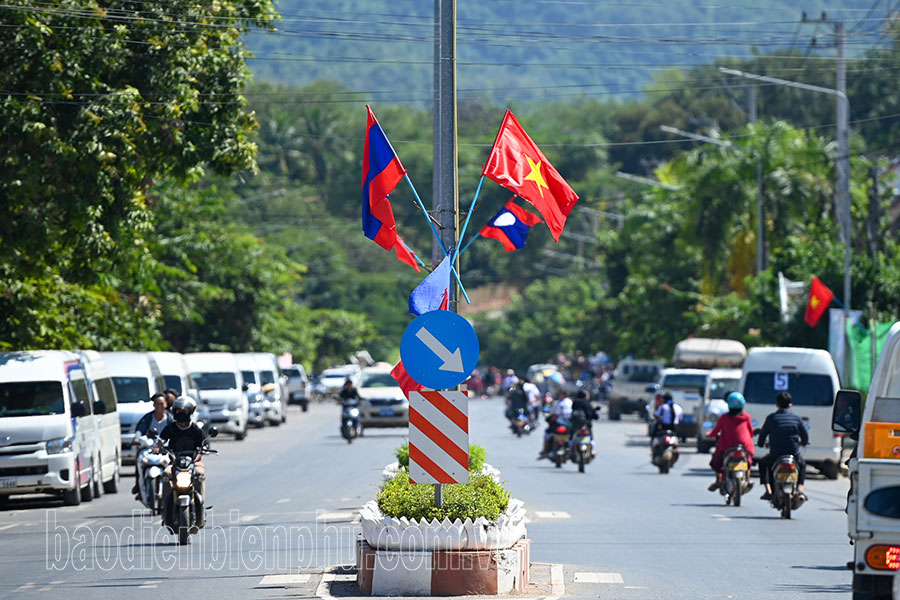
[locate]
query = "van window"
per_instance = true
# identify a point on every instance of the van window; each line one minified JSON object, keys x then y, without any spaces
{"x":291,"y":372}
{"x":132,"y":389}
{"x":684,"y":382}
{"x":266,"y":377}
{"x":106,"y":392}
{"x":644,"y":374}
{"x":720,"y":388}
{"x":884,"y":502}
{"x":80,"y":393}
{"x":249,"y":376}
{"x":31,"y":398}
{"x":173,"y":382}
{"x":214,"y":381}
{"x":805,"y":388}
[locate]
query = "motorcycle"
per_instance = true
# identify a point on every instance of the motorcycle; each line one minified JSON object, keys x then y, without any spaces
{"x":559,"y":445}
{"x":582,"y":448}
{"x":151,"y":467}
{"x":350,"y":423}
{"x":786,"y":496}
{"x":736,"y":475}
{"x":521,"y":423}
{"x":184,"y":512}
{"x":664,"y":450}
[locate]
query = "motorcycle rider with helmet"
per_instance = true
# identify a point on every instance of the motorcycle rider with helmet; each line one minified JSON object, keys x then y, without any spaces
{"x":732,"y":429}
{"x":786,"y":433}
{"x":157,"y":419}
{"x":183,"y":436}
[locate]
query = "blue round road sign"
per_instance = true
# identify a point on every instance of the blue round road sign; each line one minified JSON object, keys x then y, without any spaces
{"x":439,"y":349}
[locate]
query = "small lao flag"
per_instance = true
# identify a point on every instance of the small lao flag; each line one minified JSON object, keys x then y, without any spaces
{"x":510,"y":226}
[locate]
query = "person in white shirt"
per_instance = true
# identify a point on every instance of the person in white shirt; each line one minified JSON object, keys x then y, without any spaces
{"x":534,"y":399}
{"x":669,"y":414}
{"x":560,"y":414}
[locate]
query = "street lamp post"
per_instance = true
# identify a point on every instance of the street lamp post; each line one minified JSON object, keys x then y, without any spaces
{"x":842,"y":193}
{"x":760,"y":240}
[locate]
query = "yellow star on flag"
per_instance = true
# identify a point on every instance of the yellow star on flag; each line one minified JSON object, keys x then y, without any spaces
{"x":536,"y":175}
{"x":814,"y":302}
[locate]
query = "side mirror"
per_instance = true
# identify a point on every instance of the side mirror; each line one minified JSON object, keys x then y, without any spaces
{"x":153,"y":432}
{"x":99,"y":407}
{"x":245,"y":387}
{"x":213,"y":432}
{"x":650,"y":389}
{"x":846,"y":417}
{"x":77,"y":409}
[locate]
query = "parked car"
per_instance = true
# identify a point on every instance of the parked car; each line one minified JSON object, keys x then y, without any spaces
{"x":136,"y":377}
{"x":633,"y":386}
{"x":105,"y":408}
{"x":274,"y":388}
{"x":221,"y":388}
{"x":47,"y":425}
{"x":174,"y":371}
{"x":721,"y":383}
{"x":383,"y":403}
{"x":297,"y":386}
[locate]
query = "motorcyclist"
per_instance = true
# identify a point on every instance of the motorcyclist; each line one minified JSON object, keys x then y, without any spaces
{"x":171,"y":397}
{"x":561,"y":414}
{"x":583,"y":414}
{"x":182,"y":436}
{"x":348,"y":392}
{"x":516,"y":400}
{"x":786,"y":433}
{"x":534,"y":399}
{"x":157,"y":419}
{"x":732,"y":429}
{"x":668,"y":415}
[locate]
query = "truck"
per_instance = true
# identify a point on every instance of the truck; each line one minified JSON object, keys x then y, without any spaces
{"x":873,"y":505}
{"x":633,"y":385}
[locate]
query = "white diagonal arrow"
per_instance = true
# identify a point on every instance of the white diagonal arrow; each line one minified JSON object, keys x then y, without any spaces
{"x":452,"y":360}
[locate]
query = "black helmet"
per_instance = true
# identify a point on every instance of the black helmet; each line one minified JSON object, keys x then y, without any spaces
{"x":184,"y":403}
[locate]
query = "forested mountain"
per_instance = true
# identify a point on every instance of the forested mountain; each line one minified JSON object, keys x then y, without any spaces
{"x":555,"y":50}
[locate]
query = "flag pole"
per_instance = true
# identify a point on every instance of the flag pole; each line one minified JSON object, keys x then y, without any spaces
{"x":437,"y":237}
{"x":847,"y":313}
{"x":474,"y":237}
{"x":468,"y":216}
{"x":413,"y":252}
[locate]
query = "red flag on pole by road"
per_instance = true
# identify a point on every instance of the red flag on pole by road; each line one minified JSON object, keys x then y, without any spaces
{"x":819,"y":299}
{"x":518,"y":164}
{"x":407,"y":383}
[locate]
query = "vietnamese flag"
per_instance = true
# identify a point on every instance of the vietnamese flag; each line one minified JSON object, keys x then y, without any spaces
{"x":518,"y":164}
{"x":820,"y":298}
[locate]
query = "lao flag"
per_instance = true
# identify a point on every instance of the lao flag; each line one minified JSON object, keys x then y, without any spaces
{"x":381,"y":172}
{"x":510,"y":226}
{"x":434,"y":291}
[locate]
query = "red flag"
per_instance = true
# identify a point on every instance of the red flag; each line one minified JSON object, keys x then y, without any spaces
{"x":404,"y":254}
{"x":518,"y":164}
{"x":407,"y":383}
{"x":819,"y":299}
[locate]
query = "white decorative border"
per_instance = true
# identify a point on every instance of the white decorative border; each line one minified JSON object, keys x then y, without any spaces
{"x":411,"y":535}
{"x":392,"y":469}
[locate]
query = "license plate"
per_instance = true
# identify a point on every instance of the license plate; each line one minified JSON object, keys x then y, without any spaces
{"x":386,"y":412}
{"x":7,"y":482}
{"x":741,"y":466}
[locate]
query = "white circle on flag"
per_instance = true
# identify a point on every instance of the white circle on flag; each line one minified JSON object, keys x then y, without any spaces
{"x":505,"y":220}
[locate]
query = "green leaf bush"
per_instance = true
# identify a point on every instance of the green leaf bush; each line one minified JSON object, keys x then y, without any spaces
{"x":477,"y":456}
{"x":481,"y":497}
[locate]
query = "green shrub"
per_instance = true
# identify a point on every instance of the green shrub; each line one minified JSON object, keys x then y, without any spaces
{"x":477,"y":455}
{"x":481,"y":497}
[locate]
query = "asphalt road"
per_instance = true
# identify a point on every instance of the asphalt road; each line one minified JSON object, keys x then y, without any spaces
{"x":284,"y":502}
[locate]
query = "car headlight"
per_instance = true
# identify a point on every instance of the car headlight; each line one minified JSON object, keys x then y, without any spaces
{"x":183,"y":480}
{"x":59,"y":445}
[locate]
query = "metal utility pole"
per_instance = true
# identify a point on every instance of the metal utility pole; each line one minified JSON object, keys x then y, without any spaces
{"x":446,"y":200}
{"x":760,"y":241}
{"x":842,"y":193}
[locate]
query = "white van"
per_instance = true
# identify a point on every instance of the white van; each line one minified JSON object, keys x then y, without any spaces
{"x":136,"y":377}
{"x":218,"y":380}
{"x":46,"y":426}
{"x":812,"y":379}
{"x":174,"y":371}
{"x":257,"y":404}
{"x":274,"y":386}
{"x":105,"y":408}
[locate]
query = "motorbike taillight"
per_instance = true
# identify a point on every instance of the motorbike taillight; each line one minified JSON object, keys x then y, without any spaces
{"x":738,"y":454}
{"x":583,"y":431}
{"x":787,"y":467}
{"x":561,"y":429}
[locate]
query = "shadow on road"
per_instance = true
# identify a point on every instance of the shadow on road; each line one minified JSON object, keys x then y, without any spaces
{"x":822,"y":567}
{"x":796,"y":589}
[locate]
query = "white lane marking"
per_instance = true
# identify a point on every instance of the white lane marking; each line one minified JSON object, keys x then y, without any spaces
{"x":635,"y":587}
{"x":283,"y":501}
{"x":598,"y":578}
{"x":721,"y":517}
{"x":557,"y":581}
{"x":148,"y":585}
{"x":552,"y":514}
{"x":9,"y":526}
{"x":283,"y":580}
{"x":25,"y":588}
{"x":336,"y":516}
{"x":46,"y":588}
{"x":248,"y":518}
{"x":323,"y":590}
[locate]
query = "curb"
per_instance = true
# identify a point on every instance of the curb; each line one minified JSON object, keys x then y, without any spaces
{"x":443,"y":573}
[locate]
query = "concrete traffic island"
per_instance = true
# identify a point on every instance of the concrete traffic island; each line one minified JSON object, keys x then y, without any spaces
{"x":403,"y":557}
